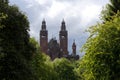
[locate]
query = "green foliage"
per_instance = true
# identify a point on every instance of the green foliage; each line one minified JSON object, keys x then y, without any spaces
{"x":43,"y":68}
{"x":65,"y":69}
{"x":4,"y":1}
{"x":102,"y":58}
{"x":41,"y":64}
{"x":2,"y":16}
{"x":111,"y":9}
{"x":15,"y":49}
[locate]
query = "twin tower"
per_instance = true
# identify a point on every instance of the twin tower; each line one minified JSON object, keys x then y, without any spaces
{"x":53,"y":48}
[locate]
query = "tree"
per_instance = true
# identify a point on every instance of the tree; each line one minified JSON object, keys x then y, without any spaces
{"x":111,"y":9}
{"x":43,"y":67}
{"x":2,"y":16}
{"x":41,"y":64}
{"x":64,"y":69}
{"x":15,"y":46}
{"x":102,"y":58}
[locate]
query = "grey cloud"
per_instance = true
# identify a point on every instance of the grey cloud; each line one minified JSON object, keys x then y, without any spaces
{"x":76,"y":29}
{"x":68,"y":0}
{"x":97,"y":2}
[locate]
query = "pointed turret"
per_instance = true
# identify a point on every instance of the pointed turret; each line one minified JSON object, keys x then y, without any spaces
{"x":43,"y":25}
{"x":74,"y":48}
{"x":63,"y":26}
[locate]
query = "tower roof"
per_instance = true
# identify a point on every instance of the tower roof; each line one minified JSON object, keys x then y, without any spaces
{"x":74,"y":44}
{"x":43,"y":22}
{"x":43,"y":25}
{"x":63,"y":22}
{"x":63,"y":26}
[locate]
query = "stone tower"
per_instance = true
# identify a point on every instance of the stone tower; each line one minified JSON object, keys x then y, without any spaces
{"x":63,"y":37}
{"x":44,"y":37}
{"x":74,"y":48}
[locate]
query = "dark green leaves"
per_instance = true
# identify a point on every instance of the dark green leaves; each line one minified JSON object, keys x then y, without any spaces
{"x":102,"y":49}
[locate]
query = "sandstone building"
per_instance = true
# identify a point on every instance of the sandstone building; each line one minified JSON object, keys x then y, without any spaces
{"x":53,"y":48}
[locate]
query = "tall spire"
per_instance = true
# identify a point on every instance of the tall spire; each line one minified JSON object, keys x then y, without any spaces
{"x":63,"y":37}
{"x":43,"y":25}
{"x":44,"y":37}
{"x":63,"y":26}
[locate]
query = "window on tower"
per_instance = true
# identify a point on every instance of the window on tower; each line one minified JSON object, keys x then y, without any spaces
{"x":63,"y":37}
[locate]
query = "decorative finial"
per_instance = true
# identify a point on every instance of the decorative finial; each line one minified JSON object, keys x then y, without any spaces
{"x":63,"y":27}
{"x":63,"y":21}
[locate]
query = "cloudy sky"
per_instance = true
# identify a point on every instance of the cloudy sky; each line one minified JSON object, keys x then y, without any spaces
{"x":78,"y":15}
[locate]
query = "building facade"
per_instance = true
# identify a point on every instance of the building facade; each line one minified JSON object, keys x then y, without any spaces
{"x":53,"y":48}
